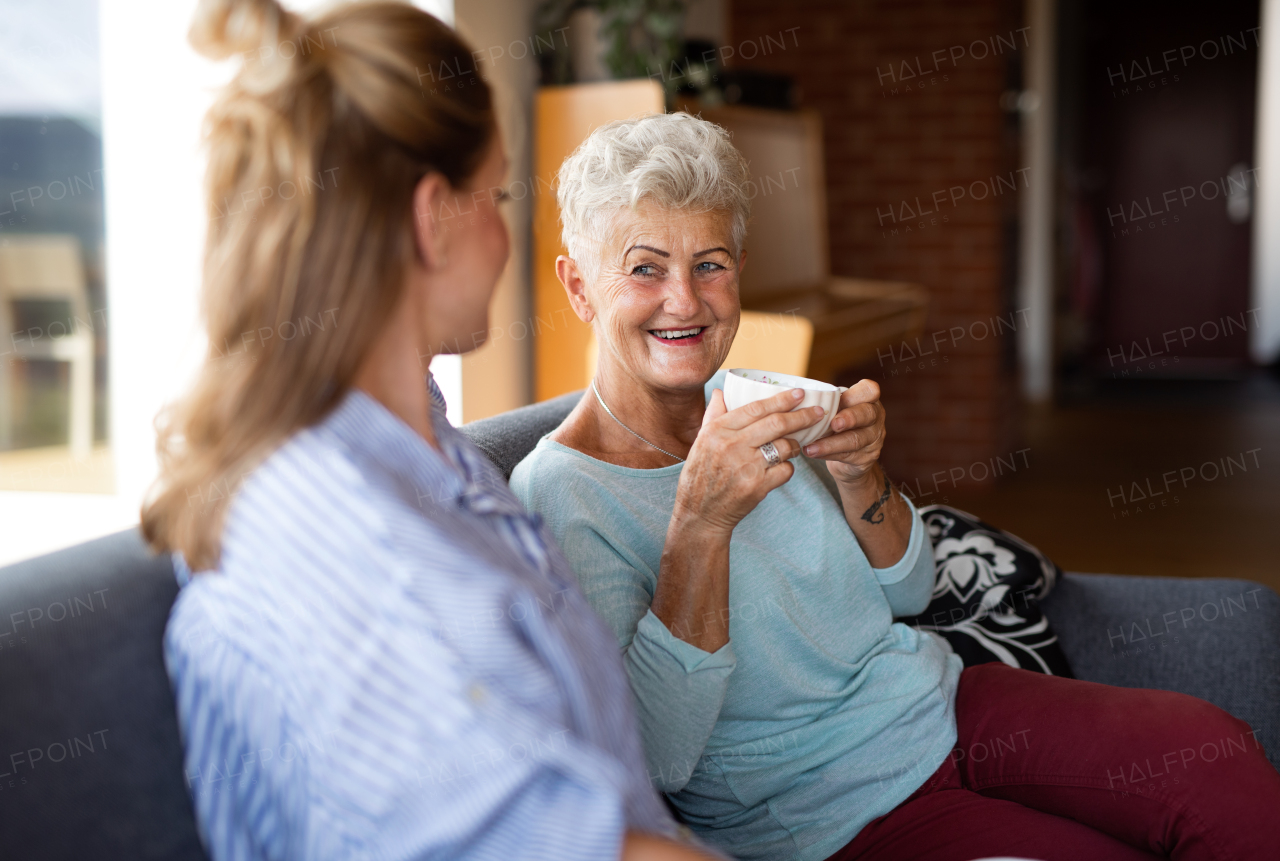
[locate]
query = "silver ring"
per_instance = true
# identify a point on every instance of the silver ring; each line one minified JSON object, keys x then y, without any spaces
{"x":770,"y":452}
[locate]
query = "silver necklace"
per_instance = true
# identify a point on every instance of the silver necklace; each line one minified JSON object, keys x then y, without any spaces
{"x":627,"y":429}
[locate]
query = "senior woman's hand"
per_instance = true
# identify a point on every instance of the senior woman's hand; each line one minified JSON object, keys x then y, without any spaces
{"x":726,"y":475}
{"x":875,"y":512}
{"x":858,"y":434}
{"x":724,"y":478}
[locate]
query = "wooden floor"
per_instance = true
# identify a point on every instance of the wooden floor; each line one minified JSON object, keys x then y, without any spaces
{"x":1155,"y":478}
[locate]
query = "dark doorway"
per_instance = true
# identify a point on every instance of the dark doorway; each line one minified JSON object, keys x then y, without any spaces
{"x":1157,"y":154}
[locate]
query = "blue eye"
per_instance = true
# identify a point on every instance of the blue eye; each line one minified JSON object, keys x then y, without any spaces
{"x":708,"y":263}
{"x":648,"y":266}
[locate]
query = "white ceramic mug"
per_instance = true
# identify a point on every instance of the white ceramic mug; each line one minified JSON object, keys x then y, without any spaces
{"x":744,"y":385}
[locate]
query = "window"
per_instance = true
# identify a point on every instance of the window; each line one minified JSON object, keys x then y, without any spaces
{"x":140,"y":101}
{"x":54,"y":316}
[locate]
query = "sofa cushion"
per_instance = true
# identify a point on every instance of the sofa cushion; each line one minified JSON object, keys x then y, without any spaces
{"x":1215,"y":639}
{"x":986,"y":599}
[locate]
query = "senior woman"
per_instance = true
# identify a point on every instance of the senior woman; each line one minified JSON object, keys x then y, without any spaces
{"x":782,"y":709}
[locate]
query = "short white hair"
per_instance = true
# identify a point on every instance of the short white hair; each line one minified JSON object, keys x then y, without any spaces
{"x":676,"y":161}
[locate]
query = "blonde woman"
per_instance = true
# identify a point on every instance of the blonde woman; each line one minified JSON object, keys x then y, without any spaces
{"x":380,"y":655}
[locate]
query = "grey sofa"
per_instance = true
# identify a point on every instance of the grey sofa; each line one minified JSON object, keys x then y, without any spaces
{"x":91,"y":762}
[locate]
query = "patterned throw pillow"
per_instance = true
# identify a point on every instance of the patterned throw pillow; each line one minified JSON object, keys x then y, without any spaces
{"x":987,"y":593}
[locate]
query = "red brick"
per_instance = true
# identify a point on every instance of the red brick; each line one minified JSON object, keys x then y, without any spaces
{"x":882,"y":150}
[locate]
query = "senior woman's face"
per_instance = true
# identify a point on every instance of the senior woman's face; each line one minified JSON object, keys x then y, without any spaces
{"x":667,"y":295}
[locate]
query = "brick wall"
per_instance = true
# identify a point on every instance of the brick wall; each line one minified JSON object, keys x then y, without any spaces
{"x":895,"y":135}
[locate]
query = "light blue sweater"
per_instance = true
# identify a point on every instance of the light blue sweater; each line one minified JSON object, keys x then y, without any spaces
{"x":820,"y":713}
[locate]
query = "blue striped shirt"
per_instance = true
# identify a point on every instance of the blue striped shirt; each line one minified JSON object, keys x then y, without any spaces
{"x":393,"y":660}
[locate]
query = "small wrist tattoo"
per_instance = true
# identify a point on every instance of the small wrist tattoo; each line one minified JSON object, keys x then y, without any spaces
{"x":874,"y":514}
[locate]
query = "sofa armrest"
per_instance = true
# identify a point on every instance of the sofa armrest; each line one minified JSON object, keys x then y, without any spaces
{"x":1218,"y":640}
{"x":88,"y":729}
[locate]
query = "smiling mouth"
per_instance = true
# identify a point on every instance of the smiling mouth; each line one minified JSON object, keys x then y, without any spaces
{"x":677,"y":334}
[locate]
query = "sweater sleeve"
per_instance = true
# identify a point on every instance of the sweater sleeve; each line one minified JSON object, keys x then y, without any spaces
{"x":678,"y":688}
{"x":908,"y":583}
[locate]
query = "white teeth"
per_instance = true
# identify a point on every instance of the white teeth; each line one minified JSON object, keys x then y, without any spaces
{"x":677,"y":333}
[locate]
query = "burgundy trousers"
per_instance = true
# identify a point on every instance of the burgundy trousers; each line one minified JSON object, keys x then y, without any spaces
{"x":1062,"y":770}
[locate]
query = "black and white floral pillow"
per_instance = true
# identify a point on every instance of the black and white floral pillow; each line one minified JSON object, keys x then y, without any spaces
{"x":987,"y":592}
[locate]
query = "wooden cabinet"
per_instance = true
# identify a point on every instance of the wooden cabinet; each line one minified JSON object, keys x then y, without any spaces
{"x":563,"y":117}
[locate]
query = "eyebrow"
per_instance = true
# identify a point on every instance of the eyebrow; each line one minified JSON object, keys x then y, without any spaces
{"x":665,"y":254}
{"x":646,"y":248}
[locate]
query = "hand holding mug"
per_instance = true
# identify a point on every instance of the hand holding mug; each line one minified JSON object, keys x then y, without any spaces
{"x":858,"y":434}
{"x":726,"y":475}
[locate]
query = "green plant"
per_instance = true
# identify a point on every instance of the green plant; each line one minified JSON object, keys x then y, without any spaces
{"x":643,"y":36}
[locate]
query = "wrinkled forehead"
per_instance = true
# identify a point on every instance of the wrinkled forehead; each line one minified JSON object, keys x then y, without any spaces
{"x":679,"y":233}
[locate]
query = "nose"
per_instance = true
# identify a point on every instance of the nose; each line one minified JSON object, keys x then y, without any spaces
{"x":682,"y":299}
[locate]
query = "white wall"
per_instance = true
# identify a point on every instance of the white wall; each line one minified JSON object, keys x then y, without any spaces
{"x":1264,"y":342}
{"x":1035,"y":251}
{"x":498,"y":377}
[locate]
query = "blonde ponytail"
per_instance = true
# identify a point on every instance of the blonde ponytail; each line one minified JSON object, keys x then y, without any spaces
{"x":314,"y":151}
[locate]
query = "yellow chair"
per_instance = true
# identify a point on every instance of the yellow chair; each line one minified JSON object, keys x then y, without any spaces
{"x":766,"y":342}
